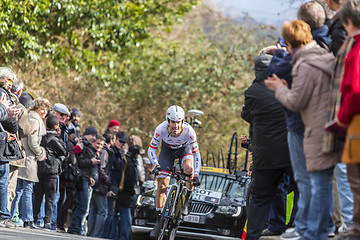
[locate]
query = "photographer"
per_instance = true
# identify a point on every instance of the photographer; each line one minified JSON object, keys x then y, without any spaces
{"x":86,"y":158}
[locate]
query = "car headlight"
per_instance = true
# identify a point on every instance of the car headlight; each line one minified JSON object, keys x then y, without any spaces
{"x":229,"y":210}
{"x":145,"y":200}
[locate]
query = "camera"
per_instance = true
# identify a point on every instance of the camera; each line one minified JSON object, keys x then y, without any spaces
{"x":85,"y":142}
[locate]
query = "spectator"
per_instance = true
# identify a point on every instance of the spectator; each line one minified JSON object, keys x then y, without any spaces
{"x":62,"y":113}
{"x":271,"y":160}
{"x":310,"y":95}
{"x":98,"y":206}
{"x":48,"y":171}
{"x":136,"y":140}
{"x":114,"y":127}
{"x":34,"y":152}
{"x":313,"y":14}
{"x":74,"y":124}
{"x":115,"y":168}
{"x":337,"y":31}
{"x":25,"y":130}
{"x":126,"y":194}
{"x":5,"y":112}
{"x":67,"y":186}
{"x":86,"y":157}
{"x":350,"y":16}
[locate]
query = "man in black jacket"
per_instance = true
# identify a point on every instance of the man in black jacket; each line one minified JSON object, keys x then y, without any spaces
{"x":271,"y":158}
{"x":127,"y":190}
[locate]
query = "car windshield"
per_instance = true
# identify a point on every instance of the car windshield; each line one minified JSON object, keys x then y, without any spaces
{"x":214,"y":182}
{"x":237,"y":190}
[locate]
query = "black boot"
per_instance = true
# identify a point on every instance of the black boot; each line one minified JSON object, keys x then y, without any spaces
{"x":188,"y":199}
{"x":155,"y":232}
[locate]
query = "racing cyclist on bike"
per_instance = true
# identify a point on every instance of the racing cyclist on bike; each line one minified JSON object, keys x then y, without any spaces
{"x":178,"y":140}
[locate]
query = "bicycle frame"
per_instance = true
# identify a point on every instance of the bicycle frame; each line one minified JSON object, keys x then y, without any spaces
{"x":174,"y":204}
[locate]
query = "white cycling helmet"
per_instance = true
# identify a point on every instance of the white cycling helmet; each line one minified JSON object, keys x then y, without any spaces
{"x":175,"y":113}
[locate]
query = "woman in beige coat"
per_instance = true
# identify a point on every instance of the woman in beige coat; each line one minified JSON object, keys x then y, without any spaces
{"x":312,"y":66}
{"x":34,"y":152}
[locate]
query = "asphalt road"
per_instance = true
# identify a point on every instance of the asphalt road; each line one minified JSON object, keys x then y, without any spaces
{"x":20,"y":233}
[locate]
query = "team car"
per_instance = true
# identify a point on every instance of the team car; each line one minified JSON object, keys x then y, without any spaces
{"x":217,"y":209}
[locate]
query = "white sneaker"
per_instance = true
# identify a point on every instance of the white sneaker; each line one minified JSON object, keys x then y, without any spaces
{"x":343,"y":228}
{"x":290,"y":235}
{"x":331,"y":235}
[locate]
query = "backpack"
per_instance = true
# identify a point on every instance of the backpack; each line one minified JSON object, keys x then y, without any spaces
{"x":50,"y":166}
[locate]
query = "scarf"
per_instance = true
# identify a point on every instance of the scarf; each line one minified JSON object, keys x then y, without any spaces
{"x":330,"y":142}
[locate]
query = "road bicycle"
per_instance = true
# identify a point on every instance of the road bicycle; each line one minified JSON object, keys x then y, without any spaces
{"x":171,"y":215}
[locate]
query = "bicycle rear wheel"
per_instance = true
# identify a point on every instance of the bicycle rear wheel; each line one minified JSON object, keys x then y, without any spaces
{"x":164,"y":220}
{"x":232,"y":154}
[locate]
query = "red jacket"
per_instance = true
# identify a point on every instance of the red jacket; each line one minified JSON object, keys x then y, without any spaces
{"x":350,"y":85}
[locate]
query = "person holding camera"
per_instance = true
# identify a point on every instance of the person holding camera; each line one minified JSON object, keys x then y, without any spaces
{"x":86,"y":159}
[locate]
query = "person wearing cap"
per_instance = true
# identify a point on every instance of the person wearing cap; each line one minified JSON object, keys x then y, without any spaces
{"x":115,"y":167}
{"x":271,"y":160}
{"x":63,"y":114}
{"x":86,"y":158}
{"x":114,"y":126}
{"x":27,"y":175}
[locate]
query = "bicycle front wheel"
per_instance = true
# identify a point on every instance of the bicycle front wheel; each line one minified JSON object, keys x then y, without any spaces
{"x":166,"y":212}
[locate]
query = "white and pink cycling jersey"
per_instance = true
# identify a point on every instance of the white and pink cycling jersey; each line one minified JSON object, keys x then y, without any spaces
{"x":188,"y":136}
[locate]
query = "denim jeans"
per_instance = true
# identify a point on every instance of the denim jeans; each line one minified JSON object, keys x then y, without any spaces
{"x":302,"y":179}
{"x":111,"y":220}
{"x":125,"y":223}
{"x":56,"y":200}
{"x":24,"y":190}
{"x":97,"y":214}
{"x":321,"y":205}
{"x":81,"y":203}
{"x":4,"y":181}
{"x":277,"y":214}
{"x":345,"y":195}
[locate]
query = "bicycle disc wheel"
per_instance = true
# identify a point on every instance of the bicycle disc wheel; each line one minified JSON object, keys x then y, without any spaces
{"x":232,"y":154}
{"x":164,"y":220}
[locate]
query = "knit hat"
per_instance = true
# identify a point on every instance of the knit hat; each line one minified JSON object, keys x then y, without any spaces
{"x":26,"y":100}
{"x":136,"y":140}
{"x":90,"y":131}
{"x":51,"y":121}
{"x":261,"y":64}
{"x":113,"y":123}
{"x":75,"y":111}
{"x":61,"y":108}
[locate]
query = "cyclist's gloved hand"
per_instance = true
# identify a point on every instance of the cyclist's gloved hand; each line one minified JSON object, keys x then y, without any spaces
{"x":196,"y":181}
{"x":157,"y":170}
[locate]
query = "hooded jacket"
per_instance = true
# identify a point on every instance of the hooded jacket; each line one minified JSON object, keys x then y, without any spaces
{"x":312,"y":66}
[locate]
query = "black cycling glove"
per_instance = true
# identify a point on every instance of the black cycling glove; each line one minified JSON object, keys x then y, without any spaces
{"x":157,"y":170}
{"x":196,"y":181}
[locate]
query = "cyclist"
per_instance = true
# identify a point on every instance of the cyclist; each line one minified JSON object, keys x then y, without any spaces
{"x":178,"y":140}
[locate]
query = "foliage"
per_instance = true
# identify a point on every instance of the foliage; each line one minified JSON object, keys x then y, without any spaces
{"x":120,"y":60}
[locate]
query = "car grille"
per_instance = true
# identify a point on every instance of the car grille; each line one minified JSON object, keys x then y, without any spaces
{"x":201,"y":208}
